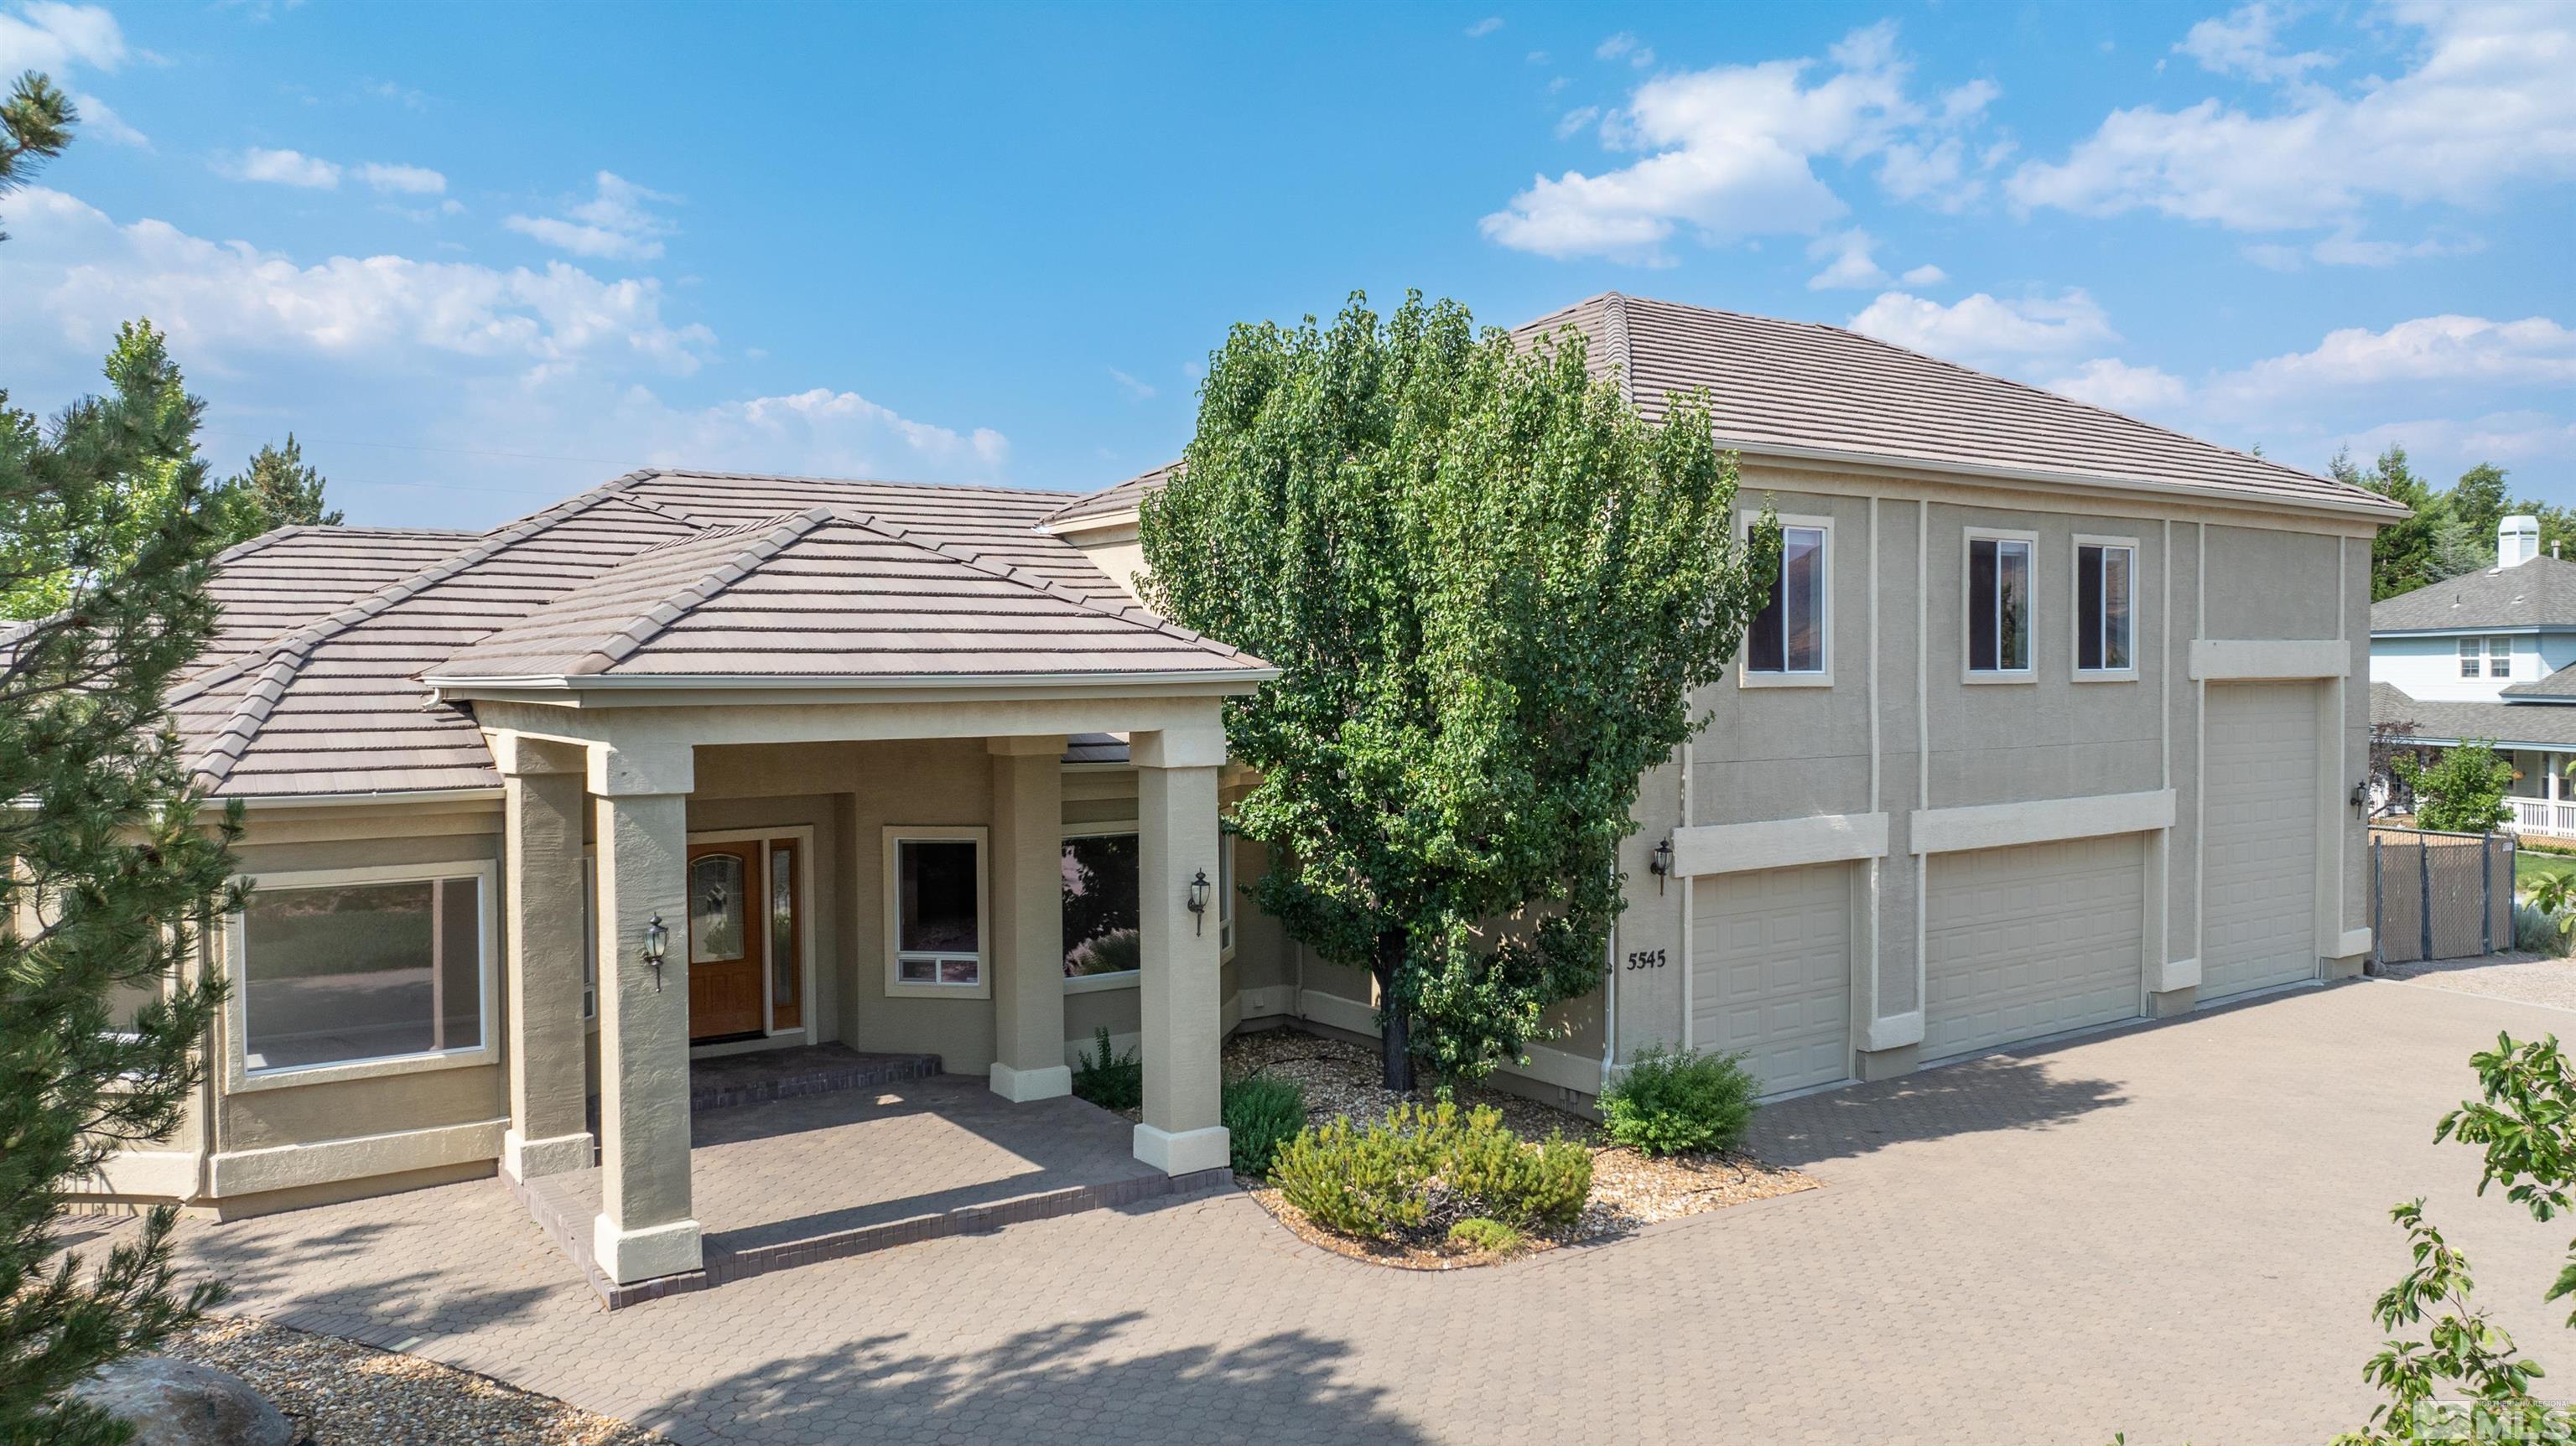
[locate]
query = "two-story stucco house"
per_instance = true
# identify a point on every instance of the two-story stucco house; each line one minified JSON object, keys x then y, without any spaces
{"x":2051,"y":723}
{"x":2490,"y":655}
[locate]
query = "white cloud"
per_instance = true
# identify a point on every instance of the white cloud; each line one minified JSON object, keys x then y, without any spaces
{"x":1847,"y":261}
{"x":1983,"y":331}
{"x":833,"y":433}
{"x":407,"y":180}
{"x":2488,"y":107}
{"x":1624,"y":46}
{"x":281,"y":168}
{"x":1926,"y":274}
{"x":2245,"y":42}
{"x":1730,"y":153}
{"x":2534,"y":351}
{"x":98,"y":120}
{"x":2110,"y":382}
{"x":1484,"y":27}
{"x":613,"y":224}
{"x":54,"y":38}
{"x":1135,"y":389}
{"x":1575,"y":120}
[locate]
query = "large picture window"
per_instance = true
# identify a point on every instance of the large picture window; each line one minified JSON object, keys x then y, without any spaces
{"x":936,"y":911}
{"x":1788,"y":635}
{"x":2105,"y":620}
{"x":1101,"y":914}
{"x":1998,"y":611}
{"x":342,"y":973}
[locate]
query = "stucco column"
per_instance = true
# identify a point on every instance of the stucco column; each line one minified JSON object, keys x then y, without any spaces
{"x":644,"y":1227}
{"x":1028,"y":918}
{"x":541,"y":793}
{"x":1176,"y":819}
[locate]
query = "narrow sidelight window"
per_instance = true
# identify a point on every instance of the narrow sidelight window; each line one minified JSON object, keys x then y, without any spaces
{"x":1998,"y":605}
{"x":786,"y":944}
{"x":2102,"y":608}
{"x":1788,"y":635}
{"x":938,"y":912}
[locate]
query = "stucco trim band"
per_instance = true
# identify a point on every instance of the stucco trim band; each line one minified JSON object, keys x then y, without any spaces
{"x":1893,"y":1031}
{"x":2219,"y":660}
{"x":2046,"y":820}
{"x":2174,"y":974}
{"x":2346,"y":945}
{"x":323,"y":1162}
{"x":1727,"y":848}
{"x":157,"y":1174}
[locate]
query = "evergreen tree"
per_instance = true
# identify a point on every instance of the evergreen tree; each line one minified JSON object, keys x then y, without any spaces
{"x":277,"y":490}
{"x":1493,"y":589}
{"x":2401,"y":557}
{"x":2480,"y":503}
{"x":2457,"y":549}
{"x":112,"y":872}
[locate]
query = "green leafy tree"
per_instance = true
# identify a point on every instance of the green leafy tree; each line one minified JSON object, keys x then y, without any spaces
{"x":111,"y":871}
{"x":1492,"y":589}
{"x":2462,"y":790}
{"x":2401,"y":556}
{"x":277,"y":490}
{"x":2478,"y":502}
{"x":2466,"y":1380}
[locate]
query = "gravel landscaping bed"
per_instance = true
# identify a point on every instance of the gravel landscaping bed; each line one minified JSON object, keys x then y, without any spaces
{"x":1628,"y":1189}
{"x":340,"y":1393}
{"x":2530,"y":978}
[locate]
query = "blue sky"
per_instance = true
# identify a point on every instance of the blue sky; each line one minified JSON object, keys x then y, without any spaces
{"x":479,"y":256}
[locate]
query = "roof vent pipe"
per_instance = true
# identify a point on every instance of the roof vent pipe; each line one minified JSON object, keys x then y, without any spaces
{"x":2517,"y":540}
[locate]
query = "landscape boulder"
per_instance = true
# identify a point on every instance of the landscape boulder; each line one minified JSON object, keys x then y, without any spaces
{"x":180,"y":1403}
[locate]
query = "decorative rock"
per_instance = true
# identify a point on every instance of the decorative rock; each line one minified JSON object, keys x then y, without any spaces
{"x":179,"y":1403}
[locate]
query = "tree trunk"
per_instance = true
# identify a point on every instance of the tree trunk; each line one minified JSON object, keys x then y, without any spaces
{"x":1395,"y":1037}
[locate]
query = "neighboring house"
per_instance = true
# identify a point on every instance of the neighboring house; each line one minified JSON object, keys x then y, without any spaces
{"x":2490,"y":655}
{"x":2051,"y":724}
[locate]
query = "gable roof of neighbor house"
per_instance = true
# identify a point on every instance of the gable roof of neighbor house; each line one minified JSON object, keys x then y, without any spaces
{"x":2538,"y":592}
{"x":2445,"y":721}
{"x":1801,"y":389}
{"x":2561,"y":684}
{"x":332,"y":702}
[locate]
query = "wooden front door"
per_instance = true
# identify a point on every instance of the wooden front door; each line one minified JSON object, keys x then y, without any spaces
{"x":725,"y":936}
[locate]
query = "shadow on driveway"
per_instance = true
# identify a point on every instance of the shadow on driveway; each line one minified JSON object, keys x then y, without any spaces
{"x":1071,"y":1383}
{"x":1974,"y":1096}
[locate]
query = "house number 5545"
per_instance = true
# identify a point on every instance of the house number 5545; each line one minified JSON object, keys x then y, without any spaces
{"x":1645,"y":958}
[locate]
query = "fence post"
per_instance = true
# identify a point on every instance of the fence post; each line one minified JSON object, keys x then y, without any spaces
{"x":2424,"y":904}
{"x":2378,"y":902}
{"x":2486,"y":893}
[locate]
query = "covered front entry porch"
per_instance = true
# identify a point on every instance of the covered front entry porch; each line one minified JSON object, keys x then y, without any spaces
{"x":932,"y":924}
{"x":820,"y":1152}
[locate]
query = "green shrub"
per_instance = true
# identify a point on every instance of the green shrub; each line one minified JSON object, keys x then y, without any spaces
{"x":1670,"y":1101}
{"x":1109,"y":1079}
{"x":1366,"y":1182}
{"x":1262,"y":1113}
{"x":1492,"y":1237}
{"x":1371,"y":1180}
{"x":2536,"y":930}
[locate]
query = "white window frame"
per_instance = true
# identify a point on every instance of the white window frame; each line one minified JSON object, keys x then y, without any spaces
{"x":803,"y":833}
{"x":1096,"y":983}
{"x":889,"y":848}
{"x":1823,"y":677}
{"x":239,"y":1077}
{"x":2029,"y":672}
{"x":2075,"y":610}
{"x":2473,"y":652}
{"x":2499,"y":650}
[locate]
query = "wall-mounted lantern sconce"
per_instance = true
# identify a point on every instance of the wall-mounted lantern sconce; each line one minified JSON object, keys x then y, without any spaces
{"x":2361,"y":798}
{"x":657,"y":942}
{"x":1198,"y":902}
{"x":1662,"y":863}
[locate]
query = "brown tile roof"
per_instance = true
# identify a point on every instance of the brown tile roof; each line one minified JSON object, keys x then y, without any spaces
{"x":1111,"y":500}
{"x":315,"y":689}
{"x":826,"y":594}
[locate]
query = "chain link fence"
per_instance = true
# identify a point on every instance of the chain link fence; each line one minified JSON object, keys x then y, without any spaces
{"x":2439,"y":895}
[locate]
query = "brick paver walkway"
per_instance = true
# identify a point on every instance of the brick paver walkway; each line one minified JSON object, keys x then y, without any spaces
{"x":2174,"y":1232}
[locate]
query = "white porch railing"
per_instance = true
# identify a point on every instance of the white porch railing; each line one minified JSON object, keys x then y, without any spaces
{"x":2555,"y":817}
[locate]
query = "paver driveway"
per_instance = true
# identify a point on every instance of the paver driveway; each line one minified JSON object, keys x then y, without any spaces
{"x":2174,"y":1231}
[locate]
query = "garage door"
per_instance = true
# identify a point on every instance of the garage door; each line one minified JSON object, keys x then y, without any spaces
{"x":2027,"y":941}
{"x":2259,"y":924}
{"x":1771,"y":962}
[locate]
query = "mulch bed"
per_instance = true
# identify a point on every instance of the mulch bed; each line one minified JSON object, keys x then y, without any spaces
{"x":1628,"y":1189}
{"x":340,"y":1393}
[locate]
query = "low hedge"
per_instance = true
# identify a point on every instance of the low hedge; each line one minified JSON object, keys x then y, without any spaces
{"x":1373,"y":1180}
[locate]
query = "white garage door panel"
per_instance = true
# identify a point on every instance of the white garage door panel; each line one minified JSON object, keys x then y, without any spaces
{"x":2260,"y":867}
{"x":2022,"y":942}
{"x":1771,"y":961}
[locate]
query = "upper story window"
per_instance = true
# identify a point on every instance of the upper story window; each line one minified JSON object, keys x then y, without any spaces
{"x":1787,"y":642}
{"x":935,"y":909}
{"x":1999,"y":603}
{"x":2105,"y":607}
{"x":2498,"y":655}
